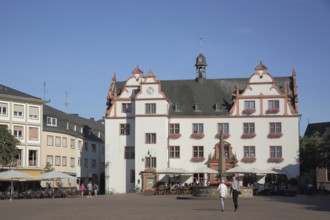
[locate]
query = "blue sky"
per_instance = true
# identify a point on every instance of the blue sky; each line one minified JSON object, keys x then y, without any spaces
{"x":75,"y":46}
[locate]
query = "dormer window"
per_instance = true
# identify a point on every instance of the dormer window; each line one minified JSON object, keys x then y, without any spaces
{"x":177,"y":107}
{"x":198,"y":107}
{"x":81,"y":130}
{"x":75,"y":127}
{"x":51,"y":121}
{"x":67,"y":125}
{"x":218,"y":107}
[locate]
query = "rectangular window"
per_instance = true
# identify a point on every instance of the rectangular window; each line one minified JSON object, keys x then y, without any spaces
{"x":249,"y":105}
{"x":80,"y":144}
{"x":150,"y":162}
{"x":57,"y":161}
{"x":126,"y":107}
{"x":273,"y":104}
{"x":86,"y":146}
{"x":151,"y":108}
{"x":224,"y":127}
{"x":19,"y":157}
{"x":58,"y":141}
{"x":249,"y":151}
{"x":72,"y":161}
{"x":198,"y":128}
{"x":93,"y":163}
{"x":177,"y":108}
{"x":51,"y":121}
{"x":94,"y":148}
{"x":50,"y":140}
{"x":64,"y":142}
{"x":50,"y":160}
{"x":249,"y":128}
{"x":33,"y":155}
{"x":3,"y":109}
{"x":18,"y":111}
{"x":33,"y":134}
{"x":328,"y":171}
{"x":150,"y":138}
{"x":174,"y":128}
{"x":275,"y":151}
{"x":33,"y":113}
{"x":86,"y":163}
{"x":275,"y":128}
{"x":174,"y":152}
{"x":218,"y":107}
{"x":18,"y":131}
{"x":125,"y":129}
{"x":198,"y":107}
{"x":64,"y":161}
{"x":198,"y":151}
{"x":72,"y":144}
{"x":129,"y":152}
{"x":132,"y":176}
{"x":67,"y":126}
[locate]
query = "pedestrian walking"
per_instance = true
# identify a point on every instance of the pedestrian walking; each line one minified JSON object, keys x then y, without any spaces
{"x":82,"y":190}
{"x":96,"y":189}
{"x":89,"y":188}
{"x":235,"y":191}
{"x":223,"y":191}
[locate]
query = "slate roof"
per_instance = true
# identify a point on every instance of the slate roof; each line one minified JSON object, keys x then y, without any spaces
{"x":212,"y":91}
{"x":320,"y":127}
{"x":73,"y":119}
{"x":5,"y":90}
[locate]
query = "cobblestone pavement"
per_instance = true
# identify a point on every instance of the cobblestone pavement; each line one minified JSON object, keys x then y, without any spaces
{"x":134,"y":206}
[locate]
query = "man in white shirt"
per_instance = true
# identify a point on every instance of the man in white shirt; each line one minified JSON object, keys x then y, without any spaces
{"x":222,"y":188}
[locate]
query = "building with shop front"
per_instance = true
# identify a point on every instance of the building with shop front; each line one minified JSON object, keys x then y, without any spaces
{"x":73,"y":145}
{"x":22,"y":114}
{"x":153,"y":124}
{"x":70,"y":143}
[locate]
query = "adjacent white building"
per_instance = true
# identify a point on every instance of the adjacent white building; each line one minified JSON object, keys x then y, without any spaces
{"x":22,"y":114}
{"x":151,"y":125}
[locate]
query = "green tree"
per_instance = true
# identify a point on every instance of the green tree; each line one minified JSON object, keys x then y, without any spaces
{"x":314,"y":151}
{"x":48,"y":168}
{"x":8,"y":149}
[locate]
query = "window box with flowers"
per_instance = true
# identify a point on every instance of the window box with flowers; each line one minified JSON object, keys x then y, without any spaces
{"x":249,"y":111}
{"x":248,"y":135}
{"x":275,"y":160}
{"x":197,"y":159}
{"x":272,"y":110}
{"x":275,"y":135}
{"x":174,"y":136}
{"x":248,"y":159}
{"x":224,"y":135}
{"x":197,"y":135}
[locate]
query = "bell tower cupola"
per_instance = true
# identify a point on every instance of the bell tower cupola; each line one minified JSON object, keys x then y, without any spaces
{"x":200,"y":68}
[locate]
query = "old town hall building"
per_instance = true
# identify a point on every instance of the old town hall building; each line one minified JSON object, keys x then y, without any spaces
{"x":152,"y":124}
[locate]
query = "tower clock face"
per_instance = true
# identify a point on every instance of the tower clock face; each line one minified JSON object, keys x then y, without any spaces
{"x":150,"y":90}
